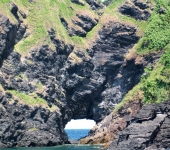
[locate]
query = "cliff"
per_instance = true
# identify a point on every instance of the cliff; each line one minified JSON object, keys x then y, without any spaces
{"x":75,"y":59}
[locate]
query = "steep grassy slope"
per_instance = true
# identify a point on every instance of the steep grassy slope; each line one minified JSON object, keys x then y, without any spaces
{"x":154,"y":86}
{"x":44,"y":15}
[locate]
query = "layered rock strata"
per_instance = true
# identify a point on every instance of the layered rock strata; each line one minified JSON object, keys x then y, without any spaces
{"x":149,"y":129}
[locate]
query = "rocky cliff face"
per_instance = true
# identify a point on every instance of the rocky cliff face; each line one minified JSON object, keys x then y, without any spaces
{"x":149,"y":129}
{"x":42,"y":91}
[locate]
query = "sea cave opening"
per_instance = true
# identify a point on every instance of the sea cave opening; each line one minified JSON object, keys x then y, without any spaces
{"x":79,"y":128}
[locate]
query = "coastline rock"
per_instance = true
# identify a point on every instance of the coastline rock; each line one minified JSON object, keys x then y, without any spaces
{"x":146,"y":130}
{"x":42,"y":91}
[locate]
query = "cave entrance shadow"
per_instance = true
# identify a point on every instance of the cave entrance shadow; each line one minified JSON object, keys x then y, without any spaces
{"x":79,"y":128}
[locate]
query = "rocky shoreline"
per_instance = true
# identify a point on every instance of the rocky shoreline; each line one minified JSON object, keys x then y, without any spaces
{"x":40,"y":92}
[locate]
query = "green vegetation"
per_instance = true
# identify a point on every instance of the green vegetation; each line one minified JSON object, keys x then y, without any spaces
{"x":33,"y":129}
{"x":157,"y":35}
{"x":41,"y":17}
{"x":22,"y":76}
{"x":32,"y":99}
{"x":154,"y":86}
{"x":39,"y":85}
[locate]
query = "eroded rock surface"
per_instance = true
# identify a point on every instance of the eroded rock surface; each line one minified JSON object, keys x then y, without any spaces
{"x":66,"y":82}
{"x":136,"y":9}
{"x":74,"y":83}
{"x":149,"y":129}
{"x":22,"y":125}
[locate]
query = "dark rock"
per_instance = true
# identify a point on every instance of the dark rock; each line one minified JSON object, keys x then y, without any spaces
{"x":140,"y":4}
{"x":64,"y":22}
{"x":20,"y":33}
{"x":32,"y":1}
{"x":74,"y":83}
{"x":133,"y":11}
{"x":7,"y":34}
{"x":85,"y":22}
{"x":94,"y":4}
{"x":14,"y":10}
{"x":79,"y":2}
{"x":146,"y":132}
{"x":73,"y":30}
{"x":161,"y":10}
{"x":23,"y":14}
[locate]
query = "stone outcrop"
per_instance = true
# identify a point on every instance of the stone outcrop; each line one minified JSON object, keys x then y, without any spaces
{"x":79,"y":2}
{"x":22,"y":125}
{"x":76,"y":83}
{"x":7,"y":36}
{"x":136,"y":9}
{"x":105,"y":131}
{"x":42,"y":91}
{"x":82,"y":24}
{"x":94,"y":4}
{"x":149,"y":129}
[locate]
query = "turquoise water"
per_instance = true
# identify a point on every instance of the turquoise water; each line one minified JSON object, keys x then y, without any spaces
{"x":64,"y":147}
{"x":76,"y":133}
{"x":72,"y":134}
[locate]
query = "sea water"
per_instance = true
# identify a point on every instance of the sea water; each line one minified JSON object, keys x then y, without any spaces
{"x":76,"y":133}
{"x":72,"y":134}
{"x":63,"y":147}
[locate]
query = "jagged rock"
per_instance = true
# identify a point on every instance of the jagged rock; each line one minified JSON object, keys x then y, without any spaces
{"x":85,"y":22}
{"x":74,"y":83}
{"x":14,"y":10}
{"x":23,"y":14}
{"x":148,"y":129}
{"x":134,"y":10}
{"x":140,"y":4}
{"x":7,"y":34}
{"x":20,"y":33}
{"x":105,"y":131}
{"x":79,"y":2}
{"x":95,"y":5}
{"x":22,"y":125}
{"x":73,"y":30}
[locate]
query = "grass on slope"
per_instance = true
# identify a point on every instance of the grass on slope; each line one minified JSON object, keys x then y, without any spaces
{"x":154,"y":86}
{"x":32,"y":99}
{"x":43,"y":15}
{"x":157,"y":35}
